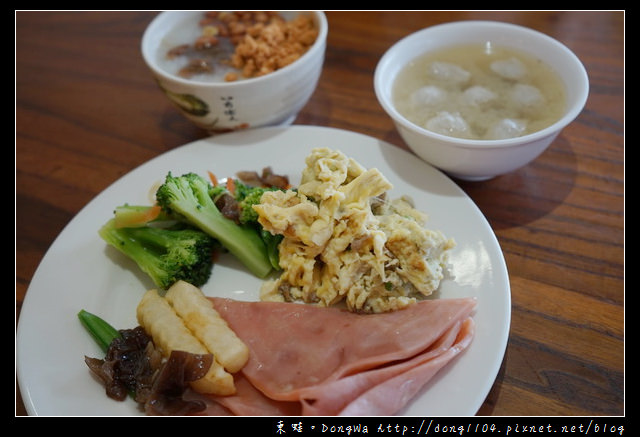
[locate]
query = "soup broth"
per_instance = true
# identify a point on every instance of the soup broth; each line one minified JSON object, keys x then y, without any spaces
{"x":480,"y":91}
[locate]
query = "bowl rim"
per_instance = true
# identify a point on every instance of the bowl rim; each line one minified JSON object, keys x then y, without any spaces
{"x":318,"y":45}
{"x":570,"y":115}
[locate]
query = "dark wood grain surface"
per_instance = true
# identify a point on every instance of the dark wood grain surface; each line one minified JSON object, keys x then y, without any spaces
{"x":88,"y":112}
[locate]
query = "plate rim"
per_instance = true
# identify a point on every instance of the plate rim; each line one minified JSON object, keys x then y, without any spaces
{"x":27,"y":304}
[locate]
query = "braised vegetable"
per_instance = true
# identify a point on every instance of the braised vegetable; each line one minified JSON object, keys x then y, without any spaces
{"x":134,"y":367}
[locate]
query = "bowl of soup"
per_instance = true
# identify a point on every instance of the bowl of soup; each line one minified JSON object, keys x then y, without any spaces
{"x":231,"y":70}
{"x":478,"y":99}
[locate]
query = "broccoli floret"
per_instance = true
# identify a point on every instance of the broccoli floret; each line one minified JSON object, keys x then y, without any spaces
{"x":165,"y":254}
{"x":247,"y":196}
{"x":189,"y":196}
{"x":247,"y":213}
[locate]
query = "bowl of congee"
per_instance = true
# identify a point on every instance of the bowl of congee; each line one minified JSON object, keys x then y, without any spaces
{"x":478,"y":99}
{"x":231,"y":70}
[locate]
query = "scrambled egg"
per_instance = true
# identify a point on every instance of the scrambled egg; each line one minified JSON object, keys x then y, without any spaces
{"x":343,"y":242}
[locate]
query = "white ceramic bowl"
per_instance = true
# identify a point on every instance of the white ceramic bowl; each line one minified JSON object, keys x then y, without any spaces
{"x":480,"y":159}
{"x":272,"y":99}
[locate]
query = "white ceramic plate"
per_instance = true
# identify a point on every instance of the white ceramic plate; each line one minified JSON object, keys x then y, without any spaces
{"x":80,"y":271}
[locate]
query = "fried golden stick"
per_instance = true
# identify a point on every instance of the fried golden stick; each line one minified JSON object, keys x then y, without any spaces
{"x":198,"y":314}
{"x":169,"y":333}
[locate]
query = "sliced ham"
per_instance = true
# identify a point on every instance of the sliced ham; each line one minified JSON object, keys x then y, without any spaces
{"x":249,"y":401}
{"x":391,"y":395}
{"x":308,"y":360}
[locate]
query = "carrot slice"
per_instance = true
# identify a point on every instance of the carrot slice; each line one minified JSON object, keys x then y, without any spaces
{"x":231,"y":186}
{"x":213,"y":178}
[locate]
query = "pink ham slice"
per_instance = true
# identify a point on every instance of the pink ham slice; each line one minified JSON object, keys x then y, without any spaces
{"x":307,"y":360}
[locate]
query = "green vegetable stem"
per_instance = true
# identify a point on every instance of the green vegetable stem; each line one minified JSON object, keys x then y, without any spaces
{"x":101,"y":331}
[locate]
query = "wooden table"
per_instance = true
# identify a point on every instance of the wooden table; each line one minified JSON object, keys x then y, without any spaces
{"x":88,"y":112}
